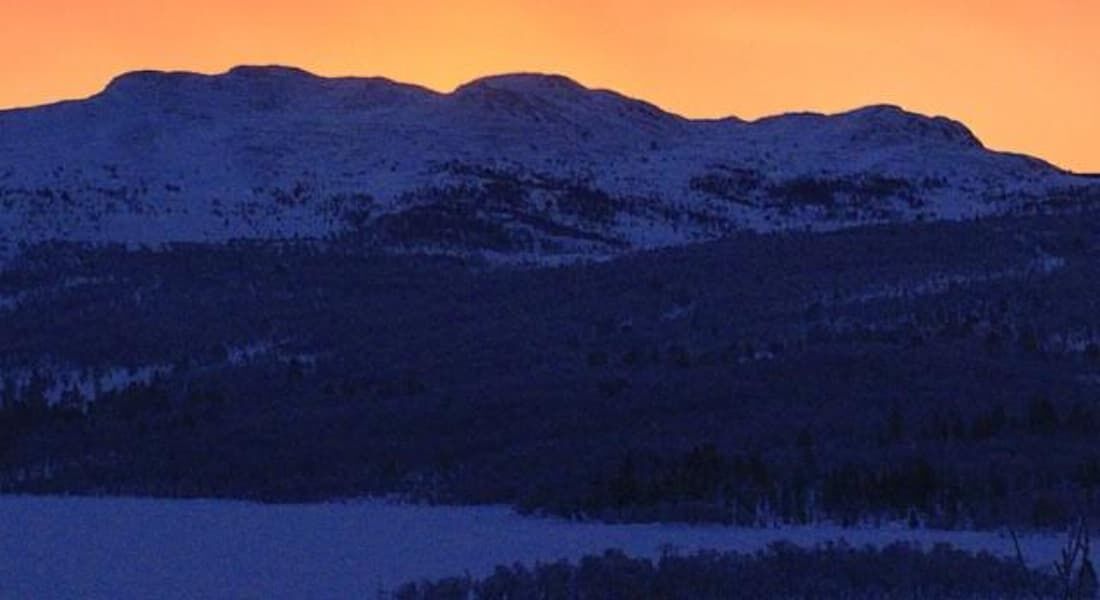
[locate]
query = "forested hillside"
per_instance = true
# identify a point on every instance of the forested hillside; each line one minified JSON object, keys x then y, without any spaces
{"x":946,"y":374}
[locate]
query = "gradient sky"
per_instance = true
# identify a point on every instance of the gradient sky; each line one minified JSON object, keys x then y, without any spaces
{"x":1024,"y":75}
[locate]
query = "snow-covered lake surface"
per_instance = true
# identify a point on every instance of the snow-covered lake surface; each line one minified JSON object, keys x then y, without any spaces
{"x":128,"y":548}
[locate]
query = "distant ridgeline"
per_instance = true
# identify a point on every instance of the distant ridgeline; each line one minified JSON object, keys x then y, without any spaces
{"x":515,"y":168}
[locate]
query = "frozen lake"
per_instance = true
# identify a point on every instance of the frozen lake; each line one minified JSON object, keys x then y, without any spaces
{"x":129,"y":548}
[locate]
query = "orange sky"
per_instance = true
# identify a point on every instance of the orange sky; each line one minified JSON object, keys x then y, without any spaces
{"x":1025,"y":75}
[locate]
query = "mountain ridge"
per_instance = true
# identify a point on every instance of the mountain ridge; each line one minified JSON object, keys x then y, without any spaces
{"x":510,"y":81}
{"x":520,"y":166}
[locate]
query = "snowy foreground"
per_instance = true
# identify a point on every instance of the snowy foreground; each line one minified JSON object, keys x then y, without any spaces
{"x":124,"y":548}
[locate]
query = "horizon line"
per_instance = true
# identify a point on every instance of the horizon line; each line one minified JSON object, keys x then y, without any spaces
{"x":275,"y":66}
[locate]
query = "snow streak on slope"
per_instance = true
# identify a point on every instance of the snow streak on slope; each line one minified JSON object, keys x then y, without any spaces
{"x":521,"y":166}
{"x":118,"y":548}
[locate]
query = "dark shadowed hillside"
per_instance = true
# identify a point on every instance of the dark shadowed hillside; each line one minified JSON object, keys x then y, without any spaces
{"x":941,"y":373}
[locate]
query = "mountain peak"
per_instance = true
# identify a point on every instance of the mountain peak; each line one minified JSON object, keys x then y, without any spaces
{"x":879,"y":110}
{"x":147,"y":80}
{"x":269,"y":72}
{"x":550,"y":98}
{"x":888,"y":123}
{"x":529,"y":83}
{"x":257,"y":87}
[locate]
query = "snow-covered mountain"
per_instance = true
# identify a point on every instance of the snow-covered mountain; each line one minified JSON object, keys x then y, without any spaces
{"x":514,"y":166}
